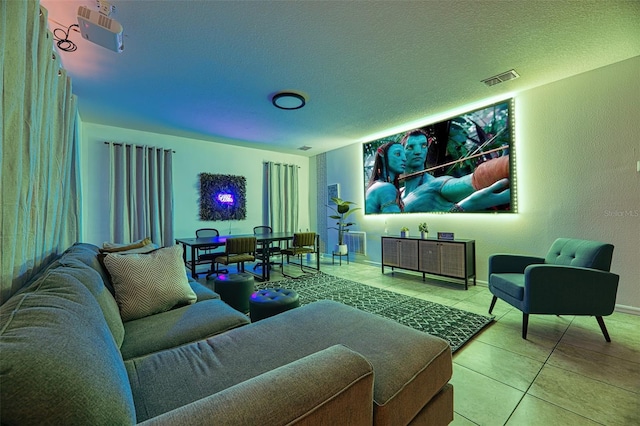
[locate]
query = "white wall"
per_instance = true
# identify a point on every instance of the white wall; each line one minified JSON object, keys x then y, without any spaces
{"x":577,"y":144}
{"x":576,"y":149}
{"x":191,"y":158}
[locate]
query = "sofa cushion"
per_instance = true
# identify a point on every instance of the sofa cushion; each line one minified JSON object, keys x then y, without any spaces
{"x":146,"y":284}
{"x":88,"y":254}
{"x":93,"y":281}
{"x":510,"y":284}
{"x":410,"y":367}
{"x":179,"y":326}
{"x":59,"y":363}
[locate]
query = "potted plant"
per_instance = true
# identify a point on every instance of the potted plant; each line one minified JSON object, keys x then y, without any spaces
{"x":343,"y":210}
{"x":424,"y":230}
{"x":404,"y":232}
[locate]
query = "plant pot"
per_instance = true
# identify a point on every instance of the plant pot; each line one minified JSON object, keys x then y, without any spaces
{"x":424,"y":235}
{"x":404,"y":234}
{"x":341,"y":249}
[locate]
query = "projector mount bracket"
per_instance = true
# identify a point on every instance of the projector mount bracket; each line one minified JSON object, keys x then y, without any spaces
{"x":105,"y":8}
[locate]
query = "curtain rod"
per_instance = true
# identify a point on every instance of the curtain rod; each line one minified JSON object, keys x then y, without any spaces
{"x":131,"y":144}
{"x":279,"y":164}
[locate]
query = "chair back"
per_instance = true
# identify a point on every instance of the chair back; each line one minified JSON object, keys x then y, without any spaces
{"x":240,"y":245}
{"x":274,"y":247}
{"x":262,"y":229}
{"x":581,"y":253}
{"x":304,"y":239}
{"x":207,"y":232}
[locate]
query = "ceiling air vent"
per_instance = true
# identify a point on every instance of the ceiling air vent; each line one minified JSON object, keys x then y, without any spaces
{"x":304,"y":148}
{"x":500,"y":78}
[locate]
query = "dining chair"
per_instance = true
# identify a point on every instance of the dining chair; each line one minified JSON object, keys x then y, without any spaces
{"x":210,"y":253}
{"x":238,"y":250}
{"x":303,"y":243}
{"x":273,"y":249}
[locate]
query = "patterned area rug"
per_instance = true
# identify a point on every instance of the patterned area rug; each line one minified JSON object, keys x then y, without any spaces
{"x":454,"y":325}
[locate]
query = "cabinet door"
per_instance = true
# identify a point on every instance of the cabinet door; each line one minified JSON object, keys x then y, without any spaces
{"x":390,"y":251}
{"x":429,"y":260}
{"x":452,"y":259}
{"x":409,"y":254}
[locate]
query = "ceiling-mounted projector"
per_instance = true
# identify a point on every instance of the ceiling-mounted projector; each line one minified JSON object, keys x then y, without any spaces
{"x":100,"y":29}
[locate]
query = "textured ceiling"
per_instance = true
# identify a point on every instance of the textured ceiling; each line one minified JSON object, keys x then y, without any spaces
{"x":207,"y":69}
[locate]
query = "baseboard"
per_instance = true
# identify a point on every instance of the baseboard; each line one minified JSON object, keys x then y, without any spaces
{"x":482,"y":283}
{"x":627,"y":309}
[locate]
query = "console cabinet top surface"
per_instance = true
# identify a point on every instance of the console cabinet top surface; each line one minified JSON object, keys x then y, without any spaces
{"x":457,"y":240}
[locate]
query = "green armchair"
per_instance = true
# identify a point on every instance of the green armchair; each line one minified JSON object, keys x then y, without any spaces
{"x":573,"y":279}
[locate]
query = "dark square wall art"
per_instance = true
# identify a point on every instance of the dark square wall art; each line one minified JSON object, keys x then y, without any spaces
{"x":222,"y":197}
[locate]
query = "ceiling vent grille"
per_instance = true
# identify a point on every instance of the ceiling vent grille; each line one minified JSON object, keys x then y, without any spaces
{"x":501,"y":78}
{"x":304,"y":148}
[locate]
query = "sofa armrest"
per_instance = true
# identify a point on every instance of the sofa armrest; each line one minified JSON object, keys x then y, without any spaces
{"x":570,"y":290}
{"x":332,"y":386}
{"x":511,"y":263}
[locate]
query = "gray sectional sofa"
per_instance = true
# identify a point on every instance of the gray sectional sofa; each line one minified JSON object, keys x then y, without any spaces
{"x":66,"y":357}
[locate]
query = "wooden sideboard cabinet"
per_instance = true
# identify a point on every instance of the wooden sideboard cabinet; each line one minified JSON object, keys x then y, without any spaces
{"x":455,"y":259}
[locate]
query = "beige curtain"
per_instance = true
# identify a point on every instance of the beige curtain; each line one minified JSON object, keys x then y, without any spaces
{"x":282,"y":196}
{"x":39,"y":170}
{"x":141,"y":193}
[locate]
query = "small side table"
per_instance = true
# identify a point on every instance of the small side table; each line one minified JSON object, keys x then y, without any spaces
{"x":340,"y":256}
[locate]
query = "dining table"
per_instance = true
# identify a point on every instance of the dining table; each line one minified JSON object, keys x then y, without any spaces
{"x":264,"y":240}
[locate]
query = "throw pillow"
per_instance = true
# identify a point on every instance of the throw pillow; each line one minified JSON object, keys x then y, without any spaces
{"x":146,"y":284}
{"x":115,"y":247}
{"x":109,"y":281}
{"x":144,"y":249}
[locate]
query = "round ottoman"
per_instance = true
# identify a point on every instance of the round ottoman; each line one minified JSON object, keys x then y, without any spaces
{"x":271,"y":301}
{"x":235,"y":290}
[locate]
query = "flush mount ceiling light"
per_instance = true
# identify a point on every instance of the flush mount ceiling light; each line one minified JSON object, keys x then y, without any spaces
{"x":288,"y":100}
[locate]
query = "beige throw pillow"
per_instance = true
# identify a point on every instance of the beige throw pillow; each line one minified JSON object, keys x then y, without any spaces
{"x":115,"y":247}
{"x":146,"y":284}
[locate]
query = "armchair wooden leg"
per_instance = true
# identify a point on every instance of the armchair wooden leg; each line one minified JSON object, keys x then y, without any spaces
{"x":493,"y":303}
{"x":604,"y":329}
{"x":525,"y":325}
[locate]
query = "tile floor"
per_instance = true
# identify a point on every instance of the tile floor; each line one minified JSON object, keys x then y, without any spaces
{"x":565,"y":373}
